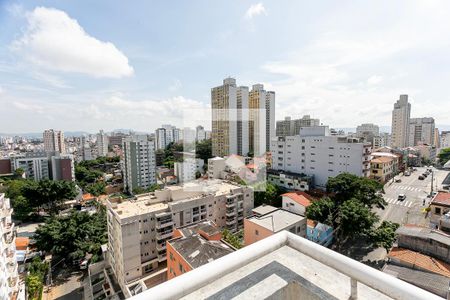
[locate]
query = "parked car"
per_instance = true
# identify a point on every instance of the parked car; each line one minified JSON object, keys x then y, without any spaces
{"x":398,"y":180}
{"x":84,"y":264}
{"x":401,"y":197}
{"x":421,"y":177}
{"x":407,"y":173}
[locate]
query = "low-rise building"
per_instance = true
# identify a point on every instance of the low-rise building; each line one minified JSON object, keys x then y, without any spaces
{"x":259,"y":227}
{"x":296,"y":202}
{"x":382,"y":168}
{"x":439,"y":206}
{"x":193,"y":246}
{"x":319,"y":233}
{"x":290,"y":181}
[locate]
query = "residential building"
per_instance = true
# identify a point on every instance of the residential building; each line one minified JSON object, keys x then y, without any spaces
{"x":6,"y":166}
{"x":194,"y":246}
{"x":62,"y":167}
{"x":102,"y":143}
{"x":167,"y":134}
{"x":286,"y":266}
{"x":382,"y":168}
{"x":261,"y":119}
{"x":116,"y":138}
{"x":290,"y":181}
{"x":296,"y":202}
{"x":367,"y":128}
{"x":316,"y":153}
{"x":229,"y":105}
{"x":439,"y":206}
{"x":189,"y":135}
{"x":9,"y":278}
{"x":138,"y":229}
{"x":400,"y":123}
{"x":259,"y":227}
{"x":34,"y":165}
{"x":216,"y":167}
{"x":54,"y":141}
{"x":138,"y":162}
{"x":445,"y":139}
{"x":436,"y":138}
{"x":289,"y":127}
{"x":421,"y":131}
{"x":186,"y":170}
{"x":383,"y":140}
{"x":200,"y":133}
{"x":319,"y":233}
{"x":427,"y":152}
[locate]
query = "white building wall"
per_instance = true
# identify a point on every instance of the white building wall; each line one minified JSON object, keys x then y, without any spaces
{"x":292,"y":206}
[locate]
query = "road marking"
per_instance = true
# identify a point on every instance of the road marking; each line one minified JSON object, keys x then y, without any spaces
{"x":410,"y":203}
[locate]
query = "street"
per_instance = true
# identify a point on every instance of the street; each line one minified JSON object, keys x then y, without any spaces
{"x":410,"y":210}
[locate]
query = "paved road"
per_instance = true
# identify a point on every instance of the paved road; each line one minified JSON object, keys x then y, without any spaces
{"x":411,"y":210}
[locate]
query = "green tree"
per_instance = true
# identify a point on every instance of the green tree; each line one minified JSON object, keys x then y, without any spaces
{"x":321,"y":211}
{"x":203,"y":150}
{"x":384,"y":236}
{"x":51,"y":193}
{"x":233,"y":239}
{"x":96,"y":189}
{"x":19,"y":172}
{"x":355,"y":218}
{"x":34,"y":286}
{"x":268,"y":194}
{"x":444,"y":156}
{"x":22,"y":208}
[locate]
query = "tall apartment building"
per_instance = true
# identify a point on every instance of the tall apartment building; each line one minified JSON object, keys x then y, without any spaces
{"x":436,"y":138}
{"x":400,"y":123}
{"x":445,"y":139}
{"x":34,"y":165}
{"x":229,"y":119}
{"x":138,"y":162}
{"x":368,"y":127}
{"x":316,"y":153}
{"x":188,"y":135}
{"x":9,"y":278}
{"x":421,"y":131}
{"x":116,"y":138}
{"x":262,"y":119}
{"x":167,"y":134}
{"x":289,"y":127}
{"x":138,"y":229}
{"x":102,"y":143}
{"x":200,"y":133}
{"x":62,"y":167}
{"x":54,"y":141}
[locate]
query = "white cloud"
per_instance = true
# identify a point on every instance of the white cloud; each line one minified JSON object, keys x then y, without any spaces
{"x":255,"y":10}
{"x":52,"y":80}
{"x":175,"y":86}
{"x":53,"y":40}
{"x":375,"y":79}
{"x":27,"y":106}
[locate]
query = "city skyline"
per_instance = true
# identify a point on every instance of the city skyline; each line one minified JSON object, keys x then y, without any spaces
{"x":138,"y":73}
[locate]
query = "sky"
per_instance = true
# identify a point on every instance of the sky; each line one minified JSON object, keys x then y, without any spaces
{"x":80,"y":65}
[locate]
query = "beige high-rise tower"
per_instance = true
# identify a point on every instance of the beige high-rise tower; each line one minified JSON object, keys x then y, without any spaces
{"x":400,"y":122}
{"x":54,"y":141}
{"x":262,"y":119}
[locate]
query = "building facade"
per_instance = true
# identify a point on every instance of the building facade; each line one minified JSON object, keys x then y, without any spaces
{"x":138,"y":229}
{"x":138,"y":162}
{"x":9,"y":278}
{"x":316,"y":153}
{"x":421,"y":131}
{"x":54,"y":141}
{"x":289,"y":127}
{"x":102,"y":143}
{"x":400,"y":123}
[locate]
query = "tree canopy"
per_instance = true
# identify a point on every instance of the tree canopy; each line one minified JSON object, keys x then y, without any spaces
{"x":268,"y":194}
{"x":74,"y":235}
{"x":203,"y":149}
{"x":444,"y":156}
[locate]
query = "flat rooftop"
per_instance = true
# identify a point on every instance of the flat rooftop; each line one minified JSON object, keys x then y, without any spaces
{"x":277,"y":220}
{"x":285,"y":266}
{"x":424,"y":233}
{"x":198,"y":251}
{"x":264,"y":209}
{"x":207,"y":226}
{"x":132,"y":208}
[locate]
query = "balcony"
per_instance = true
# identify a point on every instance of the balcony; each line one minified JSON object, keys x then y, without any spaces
{"x":230,"y":213}
{"x":271,"y":265}
{"x":163,"y":235}
{"x":164,"y":224}
{"x":161,"y":247}
{"x":230,"y":222}
{"x":8,"y":228}
{"x":230,"y":204}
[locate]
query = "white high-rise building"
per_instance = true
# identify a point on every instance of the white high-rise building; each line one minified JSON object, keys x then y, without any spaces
{"x":167,"y":134}
{"x":9,"y":277}
{"x":34,"y":165}
{"x":400,"y":123}
{"x":200,"y":133}
{"x":421,"y":131}
{"x":102,"y":143}
{"x":368,"y":128}
{"x":289,"y":127}
{"x":138,"y":163}
{"x":189,"y":135}
{"x":54,"y":141}
{"x":317,"y":153}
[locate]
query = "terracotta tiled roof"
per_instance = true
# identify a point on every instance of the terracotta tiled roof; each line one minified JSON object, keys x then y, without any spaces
{"x":311,"y":223}
{"x":442,"y":198}
{"x":22,"y":243}
{"x":421,"y":261}
{"x":300,"y":197}
{"x":382,"y":159}
{"x":88,"y":196}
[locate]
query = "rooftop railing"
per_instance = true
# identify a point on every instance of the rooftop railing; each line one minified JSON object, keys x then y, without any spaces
{"x":357,"y":272}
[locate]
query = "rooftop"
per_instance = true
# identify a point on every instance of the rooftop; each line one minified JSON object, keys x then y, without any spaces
{"x":420,"y":261}
{"x":285,"y":266}
{"x":441,"y":198}
{"x":264,"y":209}
{"x":277,"y":220}
{"x":301,"y":198}
{"x":198,"y":251}
{"x":424,"y":233}
{"x":382,"y":159}
{"x":206,"y":226}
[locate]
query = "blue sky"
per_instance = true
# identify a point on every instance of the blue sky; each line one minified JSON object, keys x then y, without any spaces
{"x":90,"y":65}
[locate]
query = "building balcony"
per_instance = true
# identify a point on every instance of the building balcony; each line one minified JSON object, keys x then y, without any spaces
{"x":161,"y":247}
{"x":230,"y":204}
{"x":230,"y":213}
{"x":165,"y":224}
{"x":163,"y":235}
{"x":162,"y":257}
{"x":231,"y":222}
{"x":8,"y":228}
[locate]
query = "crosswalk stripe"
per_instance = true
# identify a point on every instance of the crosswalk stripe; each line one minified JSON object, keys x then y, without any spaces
{"x":410,"y":203}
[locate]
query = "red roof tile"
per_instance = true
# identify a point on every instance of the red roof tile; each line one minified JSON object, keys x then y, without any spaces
{"x":442,"y":198}
{"x":301,"y":198}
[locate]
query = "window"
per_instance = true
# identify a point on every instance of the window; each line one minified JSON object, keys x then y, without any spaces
{"x":256,"y":232}
{"x":437,"y":210}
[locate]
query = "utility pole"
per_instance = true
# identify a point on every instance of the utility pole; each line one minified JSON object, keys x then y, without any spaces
{"x":432,"y":182}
